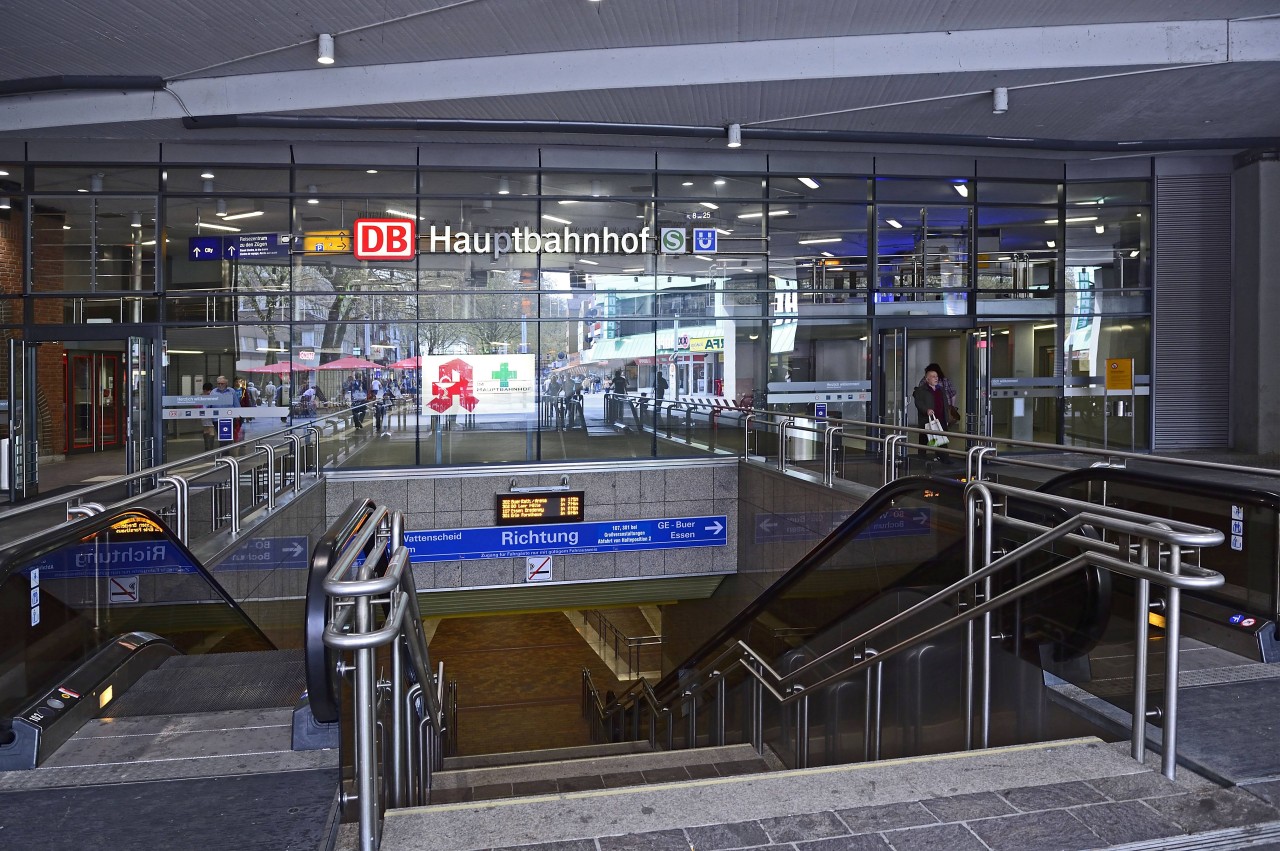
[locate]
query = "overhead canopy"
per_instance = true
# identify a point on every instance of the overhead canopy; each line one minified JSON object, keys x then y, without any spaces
{"x":279,"y":368}
{"x":350,"y":362}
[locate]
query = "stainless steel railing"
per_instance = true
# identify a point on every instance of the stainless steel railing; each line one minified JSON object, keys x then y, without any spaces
{"x":373,"y":604}
{"x":1153,"y":554}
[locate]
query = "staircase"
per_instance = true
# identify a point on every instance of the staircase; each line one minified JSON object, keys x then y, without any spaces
{"x":1080,"y":793}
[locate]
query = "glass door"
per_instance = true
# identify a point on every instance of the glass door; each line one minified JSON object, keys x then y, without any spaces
{"x":93,"y":394}
{"x":978,"y":416}
{"x":891,"y":391}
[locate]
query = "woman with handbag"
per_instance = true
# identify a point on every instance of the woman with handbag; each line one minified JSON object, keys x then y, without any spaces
{"x":932,"y":405}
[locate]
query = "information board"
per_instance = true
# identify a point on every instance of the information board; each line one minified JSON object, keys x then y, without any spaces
{"x":523,"y":509}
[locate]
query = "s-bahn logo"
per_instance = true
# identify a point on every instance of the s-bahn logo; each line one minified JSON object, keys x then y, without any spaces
{"x":384,"y":239}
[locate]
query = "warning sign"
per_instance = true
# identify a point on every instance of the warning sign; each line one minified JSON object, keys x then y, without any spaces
{"x":1119,"y":373}
{"x":538,"y":569}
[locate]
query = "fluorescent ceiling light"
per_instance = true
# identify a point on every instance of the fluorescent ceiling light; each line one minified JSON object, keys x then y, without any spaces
{"x":249,"y":215}
{"x":720,"y":181}
{"x":552,"y":218}
{"x":686,"y":183}
{"x":808,"y":181}
{"x":827,"y":254}
{"x":3,"y":173}
{"x":709,"y":205}
{"x":206,"y":175}
{"x":370,"y":171}
{"x":821,"y":240}
{"x":1072,"y":220}
{"x":393,"y":212}
{"x":893,"y":223}
{"x":723,"y":232}
{"x":588,"y":262}
{"x":267,"y":349}
{"x":759,"y":215}
{"x":184,"y":351}
{"x":1044,"y":327}
{"x":216,"y":227}
{"x":567,"y":201}
{"x":961,"y":189}
{"x":1133,"y":254}
{"x":634,"y":270}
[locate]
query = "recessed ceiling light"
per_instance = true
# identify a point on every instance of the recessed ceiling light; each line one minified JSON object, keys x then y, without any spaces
{"x":552,"y":218}
{"x":370,"y":171}
{"x":893,"y":223}
{"x":808,"y":181}
{"x":1072,"y":220}
{"x":206,"y":175}
{"x":719,"y":181}
{"x":709,"y":205}
{"x":686,"y":183}
{"x":820,"y":240}
{"x":961,"y":189}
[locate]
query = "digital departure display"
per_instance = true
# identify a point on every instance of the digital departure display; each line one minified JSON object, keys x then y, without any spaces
{"x":524,"y":509}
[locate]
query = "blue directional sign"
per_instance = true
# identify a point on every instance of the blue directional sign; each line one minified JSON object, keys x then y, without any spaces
{"x":773,"y":528}
{"x":204,"y":248}
{"x":247,"y":246}
{"x":704,"y":240}
{"x":226,"y":429}
{"x":820,"y":410}
{"x":566,"y":538}
{"x":288,"y":551}
{"x":134,"y":558}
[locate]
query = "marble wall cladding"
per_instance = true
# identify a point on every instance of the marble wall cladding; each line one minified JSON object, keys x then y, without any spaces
{"x":451,"y":502}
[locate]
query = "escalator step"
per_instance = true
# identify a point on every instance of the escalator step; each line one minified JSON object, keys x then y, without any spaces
{"x":213,"y":684}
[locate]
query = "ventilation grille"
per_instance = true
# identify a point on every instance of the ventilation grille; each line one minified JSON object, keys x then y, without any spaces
{"x":1192,"y":312}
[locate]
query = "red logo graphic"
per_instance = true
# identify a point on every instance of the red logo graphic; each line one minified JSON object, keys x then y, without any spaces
{"x":455,"y":382}
{"x":384,"y":239}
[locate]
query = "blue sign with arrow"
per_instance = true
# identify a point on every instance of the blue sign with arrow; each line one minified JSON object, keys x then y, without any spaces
{"x":288,"y":551}
{"x":773,"y":528}
{"x":133,"y":558}
{"x":608,"y":536}
{"x":204,"y":247}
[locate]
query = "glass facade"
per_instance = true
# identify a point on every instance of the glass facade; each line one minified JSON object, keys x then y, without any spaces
{"x":145,"y":282}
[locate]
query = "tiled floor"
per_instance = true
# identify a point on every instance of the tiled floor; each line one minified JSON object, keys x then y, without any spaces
{"x":1057,"y":817}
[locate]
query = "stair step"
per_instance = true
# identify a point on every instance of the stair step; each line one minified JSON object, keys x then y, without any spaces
{"x":490,"y":760}
{"x":797,"y":803}
{"x":593,"y":772}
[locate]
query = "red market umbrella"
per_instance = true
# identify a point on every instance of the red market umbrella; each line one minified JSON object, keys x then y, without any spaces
{"x":350,"y":362}
{"x":414,"y":362}
{"x":279,"y":368}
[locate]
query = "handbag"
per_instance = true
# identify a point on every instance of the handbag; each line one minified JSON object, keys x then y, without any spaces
{"x":936,"y":437}
{"x":953,"y":413}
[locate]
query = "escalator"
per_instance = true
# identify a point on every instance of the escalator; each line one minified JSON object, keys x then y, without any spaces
{"x":141,"y":707}
{"x":906,"y":543}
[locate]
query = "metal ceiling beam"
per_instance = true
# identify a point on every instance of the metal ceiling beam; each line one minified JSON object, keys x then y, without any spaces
{"x":1161,"y":43}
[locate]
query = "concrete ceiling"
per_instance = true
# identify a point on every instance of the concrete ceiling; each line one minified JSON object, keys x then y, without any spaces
{"x":1148,"y":74}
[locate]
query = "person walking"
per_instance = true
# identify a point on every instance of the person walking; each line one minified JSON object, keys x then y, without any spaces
{"x":932,"y":402}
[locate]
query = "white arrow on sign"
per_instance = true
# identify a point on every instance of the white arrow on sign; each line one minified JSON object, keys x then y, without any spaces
{"x":715,"y":528}
{"x":294,"y":550}
{"x":768,"y":525}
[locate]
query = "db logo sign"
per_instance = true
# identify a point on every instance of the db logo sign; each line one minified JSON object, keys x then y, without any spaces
{"x":384,"y":239}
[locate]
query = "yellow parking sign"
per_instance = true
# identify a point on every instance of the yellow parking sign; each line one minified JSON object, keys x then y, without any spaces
{"x":326,"y":242}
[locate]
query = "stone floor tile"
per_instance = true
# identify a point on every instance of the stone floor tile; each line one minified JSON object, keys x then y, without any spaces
{"x":802,"y":827}
{"x":971,"y":806}
{"x":568,"y":845}
{"x":450,"y":796}
{"x":1268,"y":791}
{"x":938,"y":837}
{"x":665,"y":775}
{"x":886,"y":817}
{"x":1051,"y":830}
{"x":702,"y":770}
{"x":865,"y":842}
{"x":1128,"y":787}
{"x":746,"y":766}
{"x":623,"y":778}
{"x":1051,"y":796}
{"x":658,"y":840}
{"x":490,"y":791}
{"x":743,"y":834}
{"x":580,"y":784}
{"x":1126,"y":821}
{"x":1200,"y":811}
{"x":521,"y":788}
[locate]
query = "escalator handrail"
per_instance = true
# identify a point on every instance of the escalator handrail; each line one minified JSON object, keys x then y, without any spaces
{"x":1126,"y":475}
{"x":21,"y":553}
{"x":865,"y":514}
{"x":320,"y":660}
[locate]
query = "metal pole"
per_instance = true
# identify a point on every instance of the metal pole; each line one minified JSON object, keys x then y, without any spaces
{"x":398,"y":723}
{"x":1172,"y":630}
{"x":802,"y":728}
{"x":366,"y":764}
{"x":1141,"y":613}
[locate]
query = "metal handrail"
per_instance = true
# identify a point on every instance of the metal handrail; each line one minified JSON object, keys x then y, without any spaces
{"x":373,"y":569}
{"x":982,"y":517}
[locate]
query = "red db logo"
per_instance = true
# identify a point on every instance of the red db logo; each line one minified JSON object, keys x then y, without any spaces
{"x":384,"y":239}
